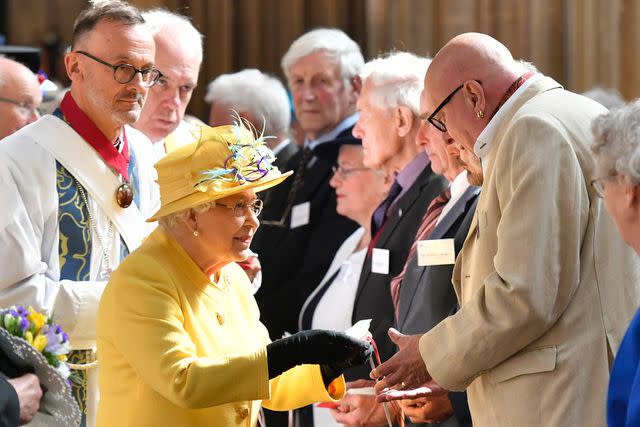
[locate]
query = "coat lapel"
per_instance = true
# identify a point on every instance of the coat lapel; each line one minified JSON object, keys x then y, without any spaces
{"x":409,"y":289}
{"x":404,"y":204}
{"x":452,"y":216}
{"x":407,"y":200}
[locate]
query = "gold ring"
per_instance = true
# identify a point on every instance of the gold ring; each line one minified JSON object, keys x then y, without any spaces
{"x":403,"y":385}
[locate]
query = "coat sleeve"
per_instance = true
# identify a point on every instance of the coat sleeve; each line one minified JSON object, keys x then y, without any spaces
{"x":301,"y":386}
{"x":9,"y":405}
{"x":544,"y":211}
{"x":29,"y":267}
{"x":145,"y":310}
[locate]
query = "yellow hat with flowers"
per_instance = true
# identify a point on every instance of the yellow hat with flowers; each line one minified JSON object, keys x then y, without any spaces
{"x":224,"y":160}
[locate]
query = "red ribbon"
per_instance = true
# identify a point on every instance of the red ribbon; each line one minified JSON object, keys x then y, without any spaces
{"x":82,"y":124}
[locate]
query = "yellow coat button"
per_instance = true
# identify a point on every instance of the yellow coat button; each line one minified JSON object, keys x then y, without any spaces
{"x":220,"y":319}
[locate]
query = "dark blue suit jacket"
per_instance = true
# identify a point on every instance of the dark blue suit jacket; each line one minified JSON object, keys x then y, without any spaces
{"x":427,"y":295}
{"x":373,"y":297}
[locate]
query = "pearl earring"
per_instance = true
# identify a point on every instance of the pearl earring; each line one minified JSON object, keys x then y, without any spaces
{"x":196,"y":233}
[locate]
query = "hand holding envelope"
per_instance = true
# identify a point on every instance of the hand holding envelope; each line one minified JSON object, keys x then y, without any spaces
{"x":358,"y":408}
{"x":405,"y":369}
{"x":427,"y":409}
{"x":430,"y":389}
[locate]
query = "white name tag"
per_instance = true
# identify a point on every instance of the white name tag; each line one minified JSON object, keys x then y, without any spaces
{"x":300,"y":214}
{"x":380,"y":261}
{"x":436,"y":252}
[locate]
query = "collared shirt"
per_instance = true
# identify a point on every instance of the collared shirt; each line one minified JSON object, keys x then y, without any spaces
{"x":333,"y":134}
{"x":458,"y":186}
{"x":488,"y":134}
{"x":278,"y":148}
{"x":408,"y":175}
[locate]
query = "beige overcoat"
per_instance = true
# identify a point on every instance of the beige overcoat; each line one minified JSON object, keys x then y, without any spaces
{"x":546,"y":285}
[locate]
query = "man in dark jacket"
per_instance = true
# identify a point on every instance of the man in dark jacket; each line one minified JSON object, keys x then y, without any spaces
{"x":300,"y":229}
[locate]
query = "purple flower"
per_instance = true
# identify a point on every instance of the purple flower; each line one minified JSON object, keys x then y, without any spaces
{"x":24,"y":323}
{"x":57,"y":340}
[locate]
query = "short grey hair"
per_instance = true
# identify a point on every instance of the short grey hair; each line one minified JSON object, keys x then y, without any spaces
{"x":110,"y":11}
{"x":255,"y":92}
{"x":170,"y":221}
{"x":331,"y":40}
{"x":398,"y":78}
{"x":610,"y":98}
{"x":159,"y":19}
{"x":616,"y":145}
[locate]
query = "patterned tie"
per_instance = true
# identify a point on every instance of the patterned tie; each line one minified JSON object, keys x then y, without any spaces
{"x":428,"y":224}
{"x":381,"y":211}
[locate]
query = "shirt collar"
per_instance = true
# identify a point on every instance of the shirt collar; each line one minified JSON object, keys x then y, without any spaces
{"x":278,"y":148}
{"x":408,"y":175}
{"x":487,"y":136}
{"x":333,"y":134}
{"x":459,"y":185}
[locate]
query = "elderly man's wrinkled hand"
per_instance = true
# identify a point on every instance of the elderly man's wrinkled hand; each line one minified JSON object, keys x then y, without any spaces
{"x":432,"y":409}
{"x":29,"y":393}
{"x":405,"y":369}
{"x":430,"y":390}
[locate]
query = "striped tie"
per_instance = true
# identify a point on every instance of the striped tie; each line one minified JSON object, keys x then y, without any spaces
{"x":428,"y":224}
{"x":380,"y":214}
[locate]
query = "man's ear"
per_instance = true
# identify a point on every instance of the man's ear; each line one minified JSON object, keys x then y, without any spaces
{"x":474,"y":97}
{"x":72,"y":65}
{"x":404,"y":120}
{"x":356,"y":85}
{"x":631,"y":192}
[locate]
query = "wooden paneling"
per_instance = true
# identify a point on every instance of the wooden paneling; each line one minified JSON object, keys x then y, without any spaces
{"x":581,"y":43}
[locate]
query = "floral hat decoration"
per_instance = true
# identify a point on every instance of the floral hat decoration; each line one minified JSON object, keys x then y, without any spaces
{"x":33,"y":342}
{"x":224,"y":161}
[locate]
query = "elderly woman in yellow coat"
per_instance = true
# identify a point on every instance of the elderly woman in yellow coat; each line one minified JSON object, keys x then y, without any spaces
{"x":180,"y":342}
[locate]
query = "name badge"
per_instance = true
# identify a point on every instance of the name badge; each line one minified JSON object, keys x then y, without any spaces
{"x":436,"y":252}
{"x":300,"y":215}
{"x":380,"y":261}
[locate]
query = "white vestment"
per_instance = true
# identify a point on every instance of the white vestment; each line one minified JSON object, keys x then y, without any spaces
{"x":29,"y":225}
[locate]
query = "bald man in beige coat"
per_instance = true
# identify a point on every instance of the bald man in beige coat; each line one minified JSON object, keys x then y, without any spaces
{"x":546,"y":286}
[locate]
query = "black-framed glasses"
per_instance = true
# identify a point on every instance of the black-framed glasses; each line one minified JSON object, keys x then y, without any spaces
{"x":343,"y":172}
{"x":437,"y":123}
{"x":26,"y":108}
{"x":124,"y":73}
{"x":240,"y":208}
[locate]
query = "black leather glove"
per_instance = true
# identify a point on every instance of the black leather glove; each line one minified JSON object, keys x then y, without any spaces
{"x":334,"y":351}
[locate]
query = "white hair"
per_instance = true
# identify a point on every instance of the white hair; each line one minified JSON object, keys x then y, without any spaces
{"x":260,"y":94}
{"x":170,"y":221}
{"x":159,"y":19}
{"x":331,"y":40}
{"x":527,"y":65}
{"x":398,"y":79}
{"x":610,"y":98}
{"x":616,"y":145}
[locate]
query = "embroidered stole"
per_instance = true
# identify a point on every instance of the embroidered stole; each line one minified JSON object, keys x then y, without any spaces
{"x":74,"y":250}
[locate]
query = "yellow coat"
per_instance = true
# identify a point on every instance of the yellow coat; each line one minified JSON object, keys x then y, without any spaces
{"x":176,"y":349}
